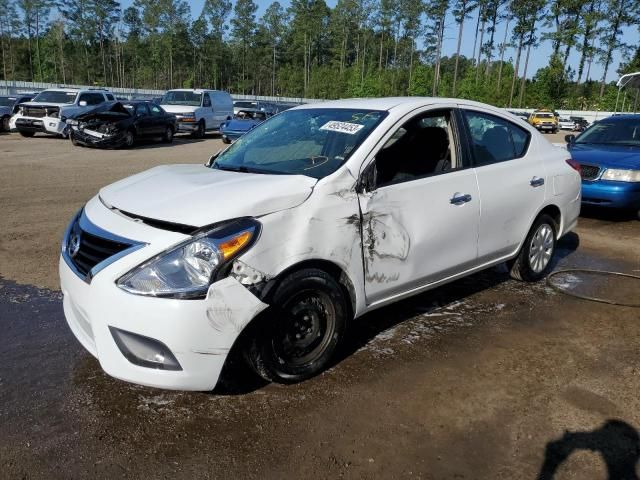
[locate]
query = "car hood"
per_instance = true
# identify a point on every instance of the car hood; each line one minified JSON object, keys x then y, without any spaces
{"x":108,"y":111}
{"x":611,"y":156}
{"x":197,"y":195}
{"x":47,"y":104}
{"x":179,"y":108}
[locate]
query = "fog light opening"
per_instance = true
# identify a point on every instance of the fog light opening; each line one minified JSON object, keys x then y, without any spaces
{"x":144,"y":351}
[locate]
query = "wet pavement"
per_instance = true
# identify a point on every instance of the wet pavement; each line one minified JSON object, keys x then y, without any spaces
{"x":478,"y":379}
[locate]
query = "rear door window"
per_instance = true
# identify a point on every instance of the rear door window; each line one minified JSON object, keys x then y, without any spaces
{"x":91,"y":98}
{"x":494,"y":139}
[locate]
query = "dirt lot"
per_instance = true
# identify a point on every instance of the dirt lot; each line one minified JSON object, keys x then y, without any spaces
{"x":484,"y":378}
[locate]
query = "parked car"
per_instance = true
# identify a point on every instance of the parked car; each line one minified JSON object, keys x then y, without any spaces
{"x":9,"y":106}
{"x":269,"y":108}
{"x":245,"y":120}
{"x":609,"y":156}
{"x":581,"y":123}
{"x":566,"y":124}
{"x":120,"y":124}
{"x":314,"y":217}
{"x":48,"y":111}
{"x":198,"y":111}
{"x":544,"y":121}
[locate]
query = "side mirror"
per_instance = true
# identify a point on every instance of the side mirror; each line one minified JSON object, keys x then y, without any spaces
{"x":82,"y":103}
{"x":570,"y":138}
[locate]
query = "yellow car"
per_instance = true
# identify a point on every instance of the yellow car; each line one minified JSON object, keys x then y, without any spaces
{"x":544,"y":121}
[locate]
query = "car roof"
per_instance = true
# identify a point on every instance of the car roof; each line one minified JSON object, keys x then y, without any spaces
{"x":623,"y":116}
{"x":194,"y":90}
{"x":396,"y":103}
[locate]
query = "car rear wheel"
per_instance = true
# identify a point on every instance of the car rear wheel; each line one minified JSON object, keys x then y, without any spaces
{"x":168,"y":135}
{"x":534,"y":260}
{"x":299,"y":336}
{"x":27,"y":134}
{"x":5,"y":124}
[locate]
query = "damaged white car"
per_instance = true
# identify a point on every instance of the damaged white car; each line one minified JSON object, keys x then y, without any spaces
{"x":316,"y":216}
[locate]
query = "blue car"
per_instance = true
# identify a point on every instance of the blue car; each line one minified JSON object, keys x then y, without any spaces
{"x":609,"y":155}
{"x":244,"y":120}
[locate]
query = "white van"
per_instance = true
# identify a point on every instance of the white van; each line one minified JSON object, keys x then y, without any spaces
{"x":198,"y":111}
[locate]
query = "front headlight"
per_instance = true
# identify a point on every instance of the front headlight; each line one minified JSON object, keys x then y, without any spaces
{"x":187,"y":270}
{"x":621,"y":175}
{"x":71,"y":121}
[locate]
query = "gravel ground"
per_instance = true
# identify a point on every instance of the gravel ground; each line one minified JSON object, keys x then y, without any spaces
{"x":483,"y":378}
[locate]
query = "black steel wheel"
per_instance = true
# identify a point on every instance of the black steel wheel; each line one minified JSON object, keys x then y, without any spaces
{"x":129,"y":139}
{"x":199,"y":132}
{"x":299,"y":337}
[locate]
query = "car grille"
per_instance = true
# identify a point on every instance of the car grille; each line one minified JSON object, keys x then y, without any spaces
{"x":34,"y":112}
{"x":589,"y":172}
{"x":87,"y":248}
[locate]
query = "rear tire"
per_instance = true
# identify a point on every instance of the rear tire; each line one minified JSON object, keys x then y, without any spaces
{"x":4,"y":127}
{"x":26,"y":133}
{"x":300,"y":335}
{"x":535,"y":258}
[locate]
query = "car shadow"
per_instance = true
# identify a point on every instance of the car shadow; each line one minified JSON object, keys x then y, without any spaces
{"x":617,"y":442}
{"x":608,"y":214}
{"x":237,"y":378}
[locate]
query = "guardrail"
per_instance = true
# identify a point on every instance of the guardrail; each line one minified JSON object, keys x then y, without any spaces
{"x":11,"y":87}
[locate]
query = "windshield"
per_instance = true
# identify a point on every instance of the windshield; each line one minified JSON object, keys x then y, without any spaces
{"x":56,"y":96}
{"x":182,"y":98}
{"x":620,"y":132}
{"x":312,"y":142}
{"x":251,"y":115}
{"x":7,"y":101}
{"x":240,"y":104}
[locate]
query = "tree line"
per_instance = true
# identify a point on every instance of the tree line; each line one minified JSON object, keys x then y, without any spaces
{"x":357,"y":48}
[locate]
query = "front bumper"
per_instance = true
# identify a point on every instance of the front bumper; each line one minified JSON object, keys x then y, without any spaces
{"x":50,"y":125}
{"x":183,"y":126}
{"x":231,"y":135}
{"x":111,"y":141}
{"x":198,"y":333}
{"x":607,"y":193}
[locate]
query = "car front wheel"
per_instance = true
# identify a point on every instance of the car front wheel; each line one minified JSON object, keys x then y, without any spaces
{"x":299,"y":336}
{"x":129,"y":139}
{"x":26,"y":133}
{"x":534,"y":260}
{"x":168,"y":135}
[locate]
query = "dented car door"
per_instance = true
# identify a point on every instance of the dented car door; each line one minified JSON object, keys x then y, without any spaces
{"x":420,"y":206}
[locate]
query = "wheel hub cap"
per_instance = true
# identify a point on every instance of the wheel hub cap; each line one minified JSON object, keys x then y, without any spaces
{"x":541,"y":248}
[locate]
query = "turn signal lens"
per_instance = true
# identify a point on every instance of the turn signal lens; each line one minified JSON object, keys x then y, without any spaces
{"x":229,"y":247}
{"x":575,"y":165}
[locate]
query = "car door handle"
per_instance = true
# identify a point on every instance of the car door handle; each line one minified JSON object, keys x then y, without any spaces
{"x":536,"y":182}
{"x":460,"y":198}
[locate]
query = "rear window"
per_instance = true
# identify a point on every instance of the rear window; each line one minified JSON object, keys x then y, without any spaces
{"x":494,"y":139}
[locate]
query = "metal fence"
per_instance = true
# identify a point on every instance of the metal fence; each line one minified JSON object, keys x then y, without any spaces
{"x":9,"y":87}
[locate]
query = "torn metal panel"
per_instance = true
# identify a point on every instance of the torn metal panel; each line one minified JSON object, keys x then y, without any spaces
{"x":230,"y":307}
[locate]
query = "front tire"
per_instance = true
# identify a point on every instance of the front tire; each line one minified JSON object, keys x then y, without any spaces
{"x":307,"y":321}
{"x":199,"y":133}
{"x":26,"y":134}
{"x":129,"y":139}
{"x":534,"y":260}
{"x":168,"y":135}
{"x":4,"y":127}
{"x":74,"y":142}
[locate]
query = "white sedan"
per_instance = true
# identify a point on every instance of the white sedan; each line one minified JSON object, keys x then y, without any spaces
{"x":566,"y":124}
{"x":317,"y":216}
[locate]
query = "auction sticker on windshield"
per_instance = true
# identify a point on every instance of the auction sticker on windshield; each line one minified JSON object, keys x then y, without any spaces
{"x":342,"y":127}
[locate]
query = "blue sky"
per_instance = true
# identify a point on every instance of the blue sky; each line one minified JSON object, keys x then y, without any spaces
{"x":539,"y":56}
